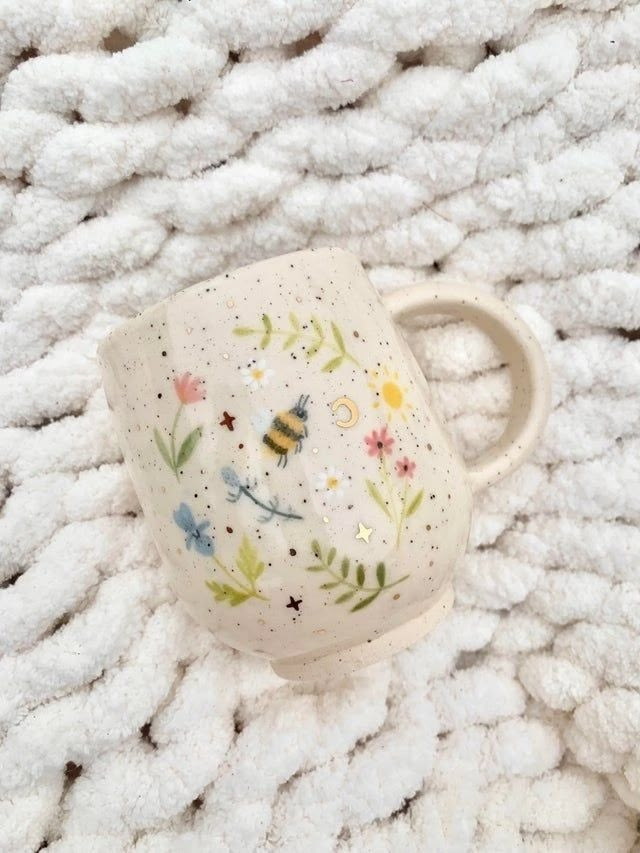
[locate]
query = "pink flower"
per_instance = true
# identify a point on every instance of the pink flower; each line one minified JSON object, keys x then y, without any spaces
{"x":188,"y":388}
{"x":405,"y":468}
{"x":379,"y":442}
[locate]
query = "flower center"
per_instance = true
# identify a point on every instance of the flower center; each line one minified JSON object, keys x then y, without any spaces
{"x":332,"y":482}
{"x":257,"y":373}
{"x":380,"y":445}
{"x":392,"y":395}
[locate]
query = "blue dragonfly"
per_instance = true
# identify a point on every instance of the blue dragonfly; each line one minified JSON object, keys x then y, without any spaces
{"x":237,"y":490}
{"x":195,"y":535}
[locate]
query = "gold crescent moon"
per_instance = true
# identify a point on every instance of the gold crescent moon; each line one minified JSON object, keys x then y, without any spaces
{"x":354,"y":412}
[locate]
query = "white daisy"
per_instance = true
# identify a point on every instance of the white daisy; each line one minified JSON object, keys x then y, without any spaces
{"x":331,"y":483}
{"x":257,"y":374}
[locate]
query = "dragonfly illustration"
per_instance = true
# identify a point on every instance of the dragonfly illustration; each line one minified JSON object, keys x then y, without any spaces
{"x":195,"y":535}
{"x":237,"y":489}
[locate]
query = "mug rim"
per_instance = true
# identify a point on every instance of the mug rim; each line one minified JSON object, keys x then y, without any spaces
{"x":112,"y":338}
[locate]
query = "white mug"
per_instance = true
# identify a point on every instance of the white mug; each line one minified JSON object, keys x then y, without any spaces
{"x":307,"y":503}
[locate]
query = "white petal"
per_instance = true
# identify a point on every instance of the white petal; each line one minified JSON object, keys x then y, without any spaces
{"x":321,"y":480}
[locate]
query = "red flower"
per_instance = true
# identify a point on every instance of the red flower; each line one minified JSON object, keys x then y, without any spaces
{"x":188,"y":388}
{"x":379,"y":442}
{"x":405,"y":468}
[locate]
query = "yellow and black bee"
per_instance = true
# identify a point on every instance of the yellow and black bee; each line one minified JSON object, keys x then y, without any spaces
{"x":287,"y":430}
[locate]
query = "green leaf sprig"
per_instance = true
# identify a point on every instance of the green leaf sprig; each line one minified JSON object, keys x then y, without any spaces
{"x":351,"y":580}
{"x":312,"y":336}
{"x":236,"y":591}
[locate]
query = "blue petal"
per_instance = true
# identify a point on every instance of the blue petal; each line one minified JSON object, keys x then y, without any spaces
{"x":203,"y":526}
{"x":204,"y":545}
{"x":183,"y":517}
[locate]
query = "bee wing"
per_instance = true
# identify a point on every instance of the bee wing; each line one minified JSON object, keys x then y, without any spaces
{"x":183,"y":517}
{"x":261,"y":420}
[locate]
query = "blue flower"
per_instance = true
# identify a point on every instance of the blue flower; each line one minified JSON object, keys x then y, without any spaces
{"x":195,"y":534}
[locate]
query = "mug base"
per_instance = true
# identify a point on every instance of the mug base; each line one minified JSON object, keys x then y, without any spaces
{"x":341,"y":662}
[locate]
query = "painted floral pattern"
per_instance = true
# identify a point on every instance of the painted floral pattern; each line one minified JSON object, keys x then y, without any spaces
{"x":398,"y":504}
{"x":257,"y":374}
{"x":331,"y":484}
{"x":312,"y":336}
{"x":355,"y":584}
{"x":235,"y":585}
{"x":195,"y":532}
{"x":240,"y":581}
{"x":379,"y":443}
{"x":405,"y":468}
{"x":189,"y":389}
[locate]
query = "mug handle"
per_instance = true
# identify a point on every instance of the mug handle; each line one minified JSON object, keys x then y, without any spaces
{"x":530,"y":382}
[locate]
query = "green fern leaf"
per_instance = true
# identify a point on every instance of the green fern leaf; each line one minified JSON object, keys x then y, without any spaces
{"x":365,"y":602}
{"x":346,"y":596}
{"x":247,"y":560}
{"x":337,"y":336}
{"x":332,"y":364}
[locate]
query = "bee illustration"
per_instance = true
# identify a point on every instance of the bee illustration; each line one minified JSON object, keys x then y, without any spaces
{"x":287,"y":431}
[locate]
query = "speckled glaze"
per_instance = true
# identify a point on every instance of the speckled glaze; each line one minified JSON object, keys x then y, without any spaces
{"x":307,"y":503}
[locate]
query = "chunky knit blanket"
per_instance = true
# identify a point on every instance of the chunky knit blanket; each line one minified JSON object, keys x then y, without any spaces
{"x":148,"y":144}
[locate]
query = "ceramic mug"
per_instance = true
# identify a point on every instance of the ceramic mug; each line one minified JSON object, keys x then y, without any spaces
{"x":306,"y":501}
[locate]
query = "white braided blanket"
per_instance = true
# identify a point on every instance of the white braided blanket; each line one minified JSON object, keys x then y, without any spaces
{"x":147,"y":145}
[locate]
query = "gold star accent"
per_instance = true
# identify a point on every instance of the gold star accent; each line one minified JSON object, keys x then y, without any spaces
{"x":364,"y":532}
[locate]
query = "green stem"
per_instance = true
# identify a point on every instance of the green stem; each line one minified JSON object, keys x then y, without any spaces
{"x":389,"y":488}
{"x":173,"y":440}
{"x":402,"y":513}
{"x":251,"y":591}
